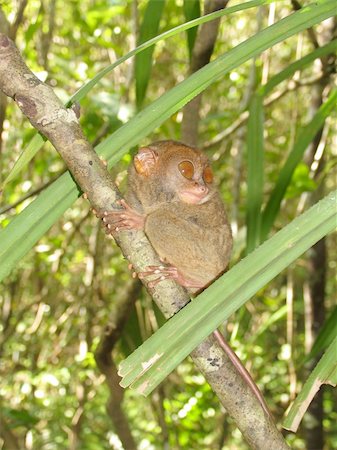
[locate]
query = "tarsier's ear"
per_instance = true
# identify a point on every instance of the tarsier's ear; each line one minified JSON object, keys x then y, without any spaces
{"x":145,"y":161}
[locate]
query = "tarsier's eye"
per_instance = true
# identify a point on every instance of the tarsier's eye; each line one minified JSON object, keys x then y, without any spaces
{"x":186,"y":168}
{"x":207,"y":175}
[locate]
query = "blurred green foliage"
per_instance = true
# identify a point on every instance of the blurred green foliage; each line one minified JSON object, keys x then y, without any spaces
{"x":57,"y":302}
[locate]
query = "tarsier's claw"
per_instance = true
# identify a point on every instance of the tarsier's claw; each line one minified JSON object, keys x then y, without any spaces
{"x":167,"y":272}
{"x":104,"y":161}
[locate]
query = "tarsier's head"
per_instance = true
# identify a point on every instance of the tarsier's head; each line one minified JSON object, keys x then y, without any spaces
{"x":178,"y":169}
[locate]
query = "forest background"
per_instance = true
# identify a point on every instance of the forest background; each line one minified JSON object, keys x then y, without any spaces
{"x":72,"y":295}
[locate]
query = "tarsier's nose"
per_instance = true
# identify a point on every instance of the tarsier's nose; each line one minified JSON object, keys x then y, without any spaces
{"x":201,"y":188}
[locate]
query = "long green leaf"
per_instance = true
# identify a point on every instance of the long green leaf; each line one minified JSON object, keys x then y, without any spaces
{"x":143,"y":62}
{"x":273,"y":318}
{"x":324,"y":373}
{"x":32,"y":219}
{"x":306,"y":136}
{"x":255,"y":143}
{"x":27,"y":155}
{"x":325,"y":336}
{"x":145,"y":368}
{"x":255,"y":160}
{"x":191,"y":11}
{"x":331,"y":47}
{"x":38,"y":140}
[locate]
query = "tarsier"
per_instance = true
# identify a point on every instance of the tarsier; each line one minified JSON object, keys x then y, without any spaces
{"x":172,"y":197}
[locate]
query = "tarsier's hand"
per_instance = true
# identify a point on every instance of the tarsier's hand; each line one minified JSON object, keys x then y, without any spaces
{"x":124,"y":219}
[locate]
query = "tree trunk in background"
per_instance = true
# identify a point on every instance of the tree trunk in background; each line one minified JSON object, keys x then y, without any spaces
{"x":106,"y":364}
{"x":314,"y":298}
{"x":10,"y":441}
{"x":202,"y":51}
{"x":314,"y":292}
{"x":313,"y":424}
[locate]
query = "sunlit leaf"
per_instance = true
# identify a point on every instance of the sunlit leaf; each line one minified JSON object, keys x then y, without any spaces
{"x":306,"y":136}
{"x":143,"y":61}
{"x":326,"y":335}
{"x":191,"y":11}
{"x":324,"y":373}
{"x":26,"y":156}
{"x":255,"y":169}
{"x":299,"y":64}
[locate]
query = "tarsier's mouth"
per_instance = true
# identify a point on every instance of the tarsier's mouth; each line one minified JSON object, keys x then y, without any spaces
{"x":194,"y":198}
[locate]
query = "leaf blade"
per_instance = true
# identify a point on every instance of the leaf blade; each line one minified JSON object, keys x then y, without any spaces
{"x":255,"y":171}
{"x":143,"y":61}
{"x":306,"y":136}
{"x":191,"y":11}
{"x":325,"y":372}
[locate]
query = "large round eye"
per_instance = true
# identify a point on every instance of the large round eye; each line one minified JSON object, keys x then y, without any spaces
{"x":207,"y":175}
{"x":186,"y":168}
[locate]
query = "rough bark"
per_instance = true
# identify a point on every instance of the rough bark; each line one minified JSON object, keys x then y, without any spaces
{"x":11,"y":31}
{"x":4,"y":28}
{"x":60,"y":125}
{"x":201,"y":55}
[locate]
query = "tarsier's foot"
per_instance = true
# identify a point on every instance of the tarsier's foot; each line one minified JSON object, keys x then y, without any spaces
{"x":168,"y":272}
{"x":124,"y":219}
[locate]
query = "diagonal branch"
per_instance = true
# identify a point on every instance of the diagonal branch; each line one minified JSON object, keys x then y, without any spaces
{"x":60,"y":125}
